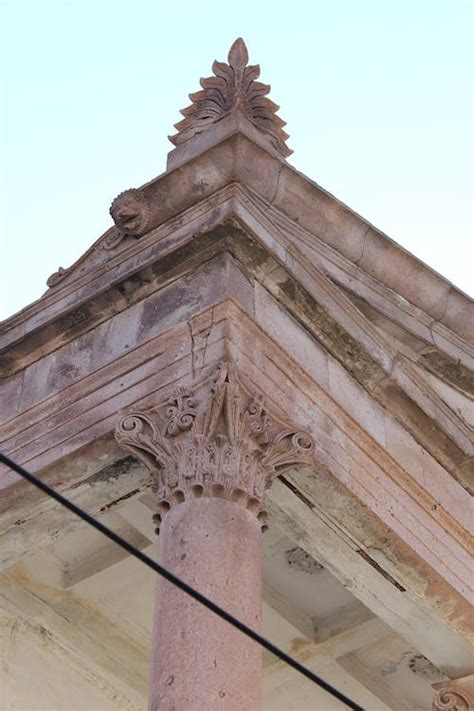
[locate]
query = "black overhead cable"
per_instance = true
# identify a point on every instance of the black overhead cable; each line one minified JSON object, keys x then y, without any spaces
{"x":168,"y":575}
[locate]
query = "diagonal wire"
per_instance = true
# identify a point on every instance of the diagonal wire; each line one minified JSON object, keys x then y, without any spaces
{"x":168,"y":575}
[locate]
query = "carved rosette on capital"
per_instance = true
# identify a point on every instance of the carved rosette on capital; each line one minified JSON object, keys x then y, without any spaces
{"x":455,"y":695}
{"x":214,"y":439}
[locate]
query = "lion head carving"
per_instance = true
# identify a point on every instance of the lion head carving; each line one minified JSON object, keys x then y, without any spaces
{"x":129,"y":211}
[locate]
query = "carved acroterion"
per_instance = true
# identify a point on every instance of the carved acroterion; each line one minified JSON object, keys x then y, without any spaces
{"x":214,"y":439}
{"x":234,"y":87}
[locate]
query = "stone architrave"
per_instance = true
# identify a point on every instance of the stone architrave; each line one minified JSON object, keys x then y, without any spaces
{"x":454,"y":695}
{"x":212,"y":449}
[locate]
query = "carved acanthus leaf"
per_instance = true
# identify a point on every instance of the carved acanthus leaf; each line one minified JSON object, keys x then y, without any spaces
{"x":214,"y":439}
{"x":234,"y":87}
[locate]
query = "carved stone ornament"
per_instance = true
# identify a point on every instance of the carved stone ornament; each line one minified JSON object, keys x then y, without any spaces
{"x":56,"y":277}
{"x":130,"y":213}
{"x":455,"y":695}
{"x":233,"y":88}
{"x":214,"y":439}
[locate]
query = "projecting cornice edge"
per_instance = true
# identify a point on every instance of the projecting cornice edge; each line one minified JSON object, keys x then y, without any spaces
{"x":302,"y":289}
{"x":167,"y":199}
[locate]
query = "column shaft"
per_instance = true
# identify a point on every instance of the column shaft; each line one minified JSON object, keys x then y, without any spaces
{"x":199,"y":662}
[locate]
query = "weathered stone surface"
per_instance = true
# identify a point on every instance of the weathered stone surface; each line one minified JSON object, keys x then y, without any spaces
{"x":328,"y":219}
{"x":233,"y":89}
{"x":199,"y":661}
{"x":233,"y":257}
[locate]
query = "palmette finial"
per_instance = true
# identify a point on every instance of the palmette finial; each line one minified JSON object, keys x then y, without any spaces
{"x":234,"y":87}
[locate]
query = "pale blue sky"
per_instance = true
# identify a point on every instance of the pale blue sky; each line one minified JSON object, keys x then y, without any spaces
{"x":377,"y":96}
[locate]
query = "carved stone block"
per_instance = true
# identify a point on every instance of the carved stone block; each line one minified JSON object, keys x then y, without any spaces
{"x":214,"y":439}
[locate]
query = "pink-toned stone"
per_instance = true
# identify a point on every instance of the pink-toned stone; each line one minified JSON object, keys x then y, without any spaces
{"x":404,"y":273}
{"x":154,"y":303}
{"x":454,"y":695}
{"x":214,"y":438}
{"x":213,"y":449}
{"x":233,"y":90}
{"x":201,"y":663}
{"x":459,"y":314}
{"x":318,"y":211}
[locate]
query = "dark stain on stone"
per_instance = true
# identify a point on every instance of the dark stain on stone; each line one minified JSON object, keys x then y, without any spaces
{"x":425,"y":430}
{"x":112,"y":471}
{"x":296,"y":492}
{"x":299,"y":559}
{"x":110,"y":505}
{"x":75,"y":317}
{"x":363,"y":554}
{"x":68,"y":370}
{"x":165,"y":303}
{"x":315,"y":318}
{"x":449,"y":370}
{"x":127,"y":291}
{"x":373,"y":378}
{"x":421,"y":666}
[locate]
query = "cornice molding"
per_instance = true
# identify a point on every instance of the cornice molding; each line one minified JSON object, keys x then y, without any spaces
{"x":393,"y":370}
{"x":116,"y":253}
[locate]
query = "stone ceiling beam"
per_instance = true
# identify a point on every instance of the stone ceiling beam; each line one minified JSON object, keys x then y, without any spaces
{"x":87,"y":642}
{"x":399,"y":609}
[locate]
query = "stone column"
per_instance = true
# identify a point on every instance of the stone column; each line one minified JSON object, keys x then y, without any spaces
{"x":455,"y":695}
{"x":213,"y":449}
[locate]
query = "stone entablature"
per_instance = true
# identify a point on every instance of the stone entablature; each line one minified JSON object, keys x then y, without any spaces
{"x":322,"y":306}
{"x":214,"y":439}
{"x":346,"y":244}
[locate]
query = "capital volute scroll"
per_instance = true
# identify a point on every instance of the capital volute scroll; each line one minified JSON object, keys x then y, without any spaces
{"x":214,"y":439}
{"x":454,"y":695}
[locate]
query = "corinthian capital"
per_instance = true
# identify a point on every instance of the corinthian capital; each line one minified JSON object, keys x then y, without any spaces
{"x":454,"y":695}
{"x":214,"y":438}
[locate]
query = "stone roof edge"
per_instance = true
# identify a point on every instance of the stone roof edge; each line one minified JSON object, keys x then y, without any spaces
{"x":451,"y":298}
{"x":325,"y":216}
